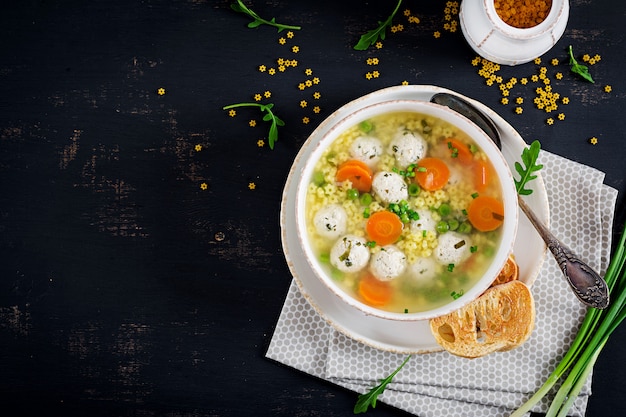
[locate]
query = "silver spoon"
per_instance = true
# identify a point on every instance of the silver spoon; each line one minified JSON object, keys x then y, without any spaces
{"x":588,"y":286}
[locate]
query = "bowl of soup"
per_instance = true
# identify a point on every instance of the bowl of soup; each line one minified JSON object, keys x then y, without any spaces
{"x":405,"y":210}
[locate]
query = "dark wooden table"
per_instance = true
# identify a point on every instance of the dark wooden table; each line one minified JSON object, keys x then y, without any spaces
{"x":126,"y":288}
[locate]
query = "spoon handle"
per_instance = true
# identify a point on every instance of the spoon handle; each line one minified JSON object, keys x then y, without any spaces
{"x":588,"y":286}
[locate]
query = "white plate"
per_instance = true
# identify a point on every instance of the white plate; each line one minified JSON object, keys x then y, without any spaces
{"x":401,"y":337}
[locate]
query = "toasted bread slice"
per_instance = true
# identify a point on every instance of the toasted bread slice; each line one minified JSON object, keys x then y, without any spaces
{"x":502,"y":318}
{"x":509,"y":272}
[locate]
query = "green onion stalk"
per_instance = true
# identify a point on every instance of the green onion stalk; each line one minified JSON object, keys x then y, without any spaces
{"x":593,"y":334}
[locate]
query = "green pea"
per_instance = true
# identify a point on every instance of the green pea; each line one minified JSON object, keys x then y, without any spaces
{"x":465,"y":227}
{"x":366,"y":199}
{"x":318,"y":178}
{"x":442,"y":227}
{"x":352,"y":194}
{"x":444,"y":210}
{"x":454,"y":224}
{"x":366,"y":126}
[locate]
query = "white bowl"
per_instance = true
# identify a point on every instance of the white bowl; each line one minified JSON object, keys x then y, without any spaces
{"x":509,"y":228}
{"x":499,"y":42}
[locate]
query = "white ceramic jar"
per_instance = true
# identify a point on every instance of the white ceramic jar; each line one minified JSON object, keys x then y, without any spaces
{"x":499,"y":42}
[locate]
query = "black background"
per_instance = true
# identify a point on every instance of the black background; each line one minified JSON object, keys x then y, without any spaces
{"x":126,"y":289}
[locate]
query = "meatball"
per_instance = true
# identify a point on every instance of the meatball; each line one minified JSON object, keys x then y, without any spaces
{"x":390,"y":187}
{"x":407,"y":147}
{"x":330,"y":221}
{"x":452,"y":248}
{"x":366,"y":149}
{"x":425,"y":222}
{"x":350,"y":254}
{"x":389,"y":263}
{"x":423,"y":270}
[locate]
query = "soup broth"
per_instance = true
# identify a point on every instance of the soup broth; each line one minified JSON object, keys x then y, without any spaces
{"x":404,"y":212}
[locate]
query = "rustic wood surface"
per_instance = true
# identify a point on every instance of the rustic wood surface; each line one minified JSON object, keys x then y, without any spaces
{"x":126,"y":289}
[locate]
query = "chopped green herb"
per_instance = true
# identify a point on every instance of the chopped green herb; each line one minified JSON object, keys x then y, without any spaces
{"x":474,"y":195}
{"x":406,"y":311}
{"x":239,"y":7}
{"x":456,"y":295}
{"x":577,"y":68}
{"x":527,"y":171}
{"x":269,"y":117}
{"x":594,"y":332}
{"x":372,"y":36}
{"x":473,"y":249}
{"x":365,"y":400}
{"x":450,"y":267}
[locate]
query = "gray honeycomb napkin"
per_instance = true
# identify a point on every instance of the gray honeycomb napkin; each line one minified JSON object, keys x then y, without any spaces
{"x":490,"y":386}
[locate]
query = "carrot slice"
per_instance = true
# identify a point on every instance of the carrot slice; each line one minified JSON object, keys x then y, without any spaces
{"x":482,"y":175}
{"x":384,"y":227}
{"x":357,"y":172}
{"x":374,"y":291}
{"x":432,"y":174}
{"x":460,"y":151}
{"x":485,"y":213}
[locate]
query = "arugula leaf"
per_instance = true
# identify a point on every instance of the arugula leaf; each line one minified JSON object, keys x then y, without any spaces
{"x":269,"y":116}
{"x":527,"y":172}
{"x":239,"y":7}
{"x":369,"y":398}
{"x":371,"y":37}
{"x":577,"y":68}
